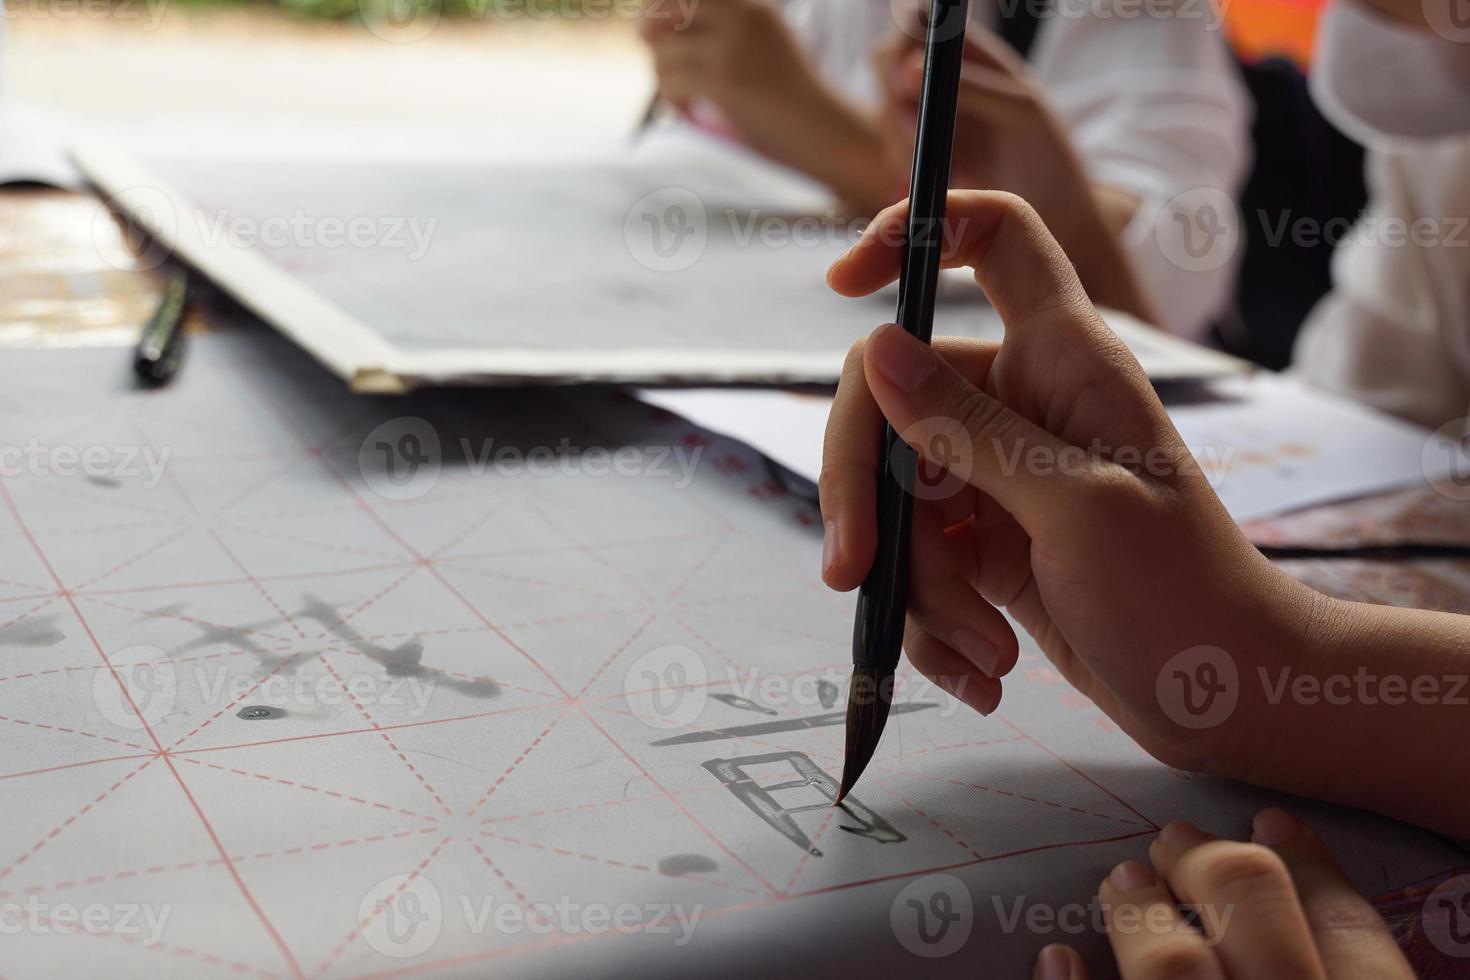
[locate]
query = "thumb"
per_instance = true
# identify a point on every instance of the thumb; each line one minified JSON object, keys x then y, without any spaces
{"x":951,"y":423}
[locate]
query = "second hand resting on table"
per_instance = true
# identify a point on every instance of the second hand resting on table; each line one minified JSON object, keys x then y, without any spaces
{"x":1078,"y":509}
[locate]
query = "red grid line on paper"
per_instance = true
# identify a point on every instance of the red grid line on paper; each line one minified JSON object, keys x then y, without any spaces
{"x":94,"y":880}
{"x":335,"y":794}
{"x":433,"y":793}
{"x":610,"y":862}
{"x":364,"y":923}
{"x":515,"y":764}
{"x":55,"y":831}
{"x":127,"y":696}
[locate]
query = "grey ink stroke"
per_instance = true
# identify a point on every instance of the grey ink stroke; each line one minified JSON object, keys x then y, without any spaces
{"x":743,"y":704}
{"x":679,"y":865}
{"x":764,"y":802}
{"x":240,"y":637}
{"x":777,"y":727}
{"x":827,"y":693}
{"x":404,"y":660}
{"x":33,"y":631}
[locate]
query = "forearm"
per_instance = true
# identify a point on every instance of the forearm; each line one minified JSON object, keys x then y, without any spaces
{"x":1090,"y":231}
{"x":818,"y":133}
{"x":1376,"y":714}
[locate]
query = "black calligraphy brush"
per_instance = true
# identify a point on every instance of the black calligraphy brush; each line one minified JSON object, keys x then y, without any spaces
{"x":883,"y":600}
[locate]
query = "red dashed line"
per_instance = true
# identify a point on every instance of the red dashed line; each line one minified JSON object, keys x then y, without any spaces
{"x":51,"y":835}
{"x":504,"y":878}
{"x":363,"y":924}
{"x":73,"y":731}
{"x":310,"y":789}
{"x":214,"y":862}
{"x":613,"y":862}
{"x":391,"y":744}
{"x":518,"y":760}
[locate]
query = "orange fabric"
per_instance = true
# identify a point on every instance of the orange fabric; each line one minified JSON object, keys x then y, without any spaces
{"x":1258,"y":28}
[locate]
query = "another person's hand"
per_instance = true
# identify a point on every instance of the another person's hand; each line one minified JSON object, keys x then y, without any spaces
{"x":739,"y":55}
{"x":742,"y":58}
{"x":1069,"y":498}
{"x":1008,"y":138}
{"x":1277,"y":907}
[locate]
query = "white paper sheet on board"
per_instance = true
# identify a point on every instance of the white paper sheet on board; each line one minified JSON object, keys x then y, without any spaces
{"x":330,"y":686}
{"x":698,"y":264}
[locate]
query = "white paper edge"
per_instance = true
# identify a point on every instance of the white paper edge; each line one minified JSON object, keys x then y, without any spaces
{"x":369,"y":363}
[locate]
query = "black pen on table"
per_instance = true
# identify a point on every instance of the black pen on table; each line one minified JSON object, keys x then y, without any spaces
{"x":882,"y":604}
{"x":160,"y":349}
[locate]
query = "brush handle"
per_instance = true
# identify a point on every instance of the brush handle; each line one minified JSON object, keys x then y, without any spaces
{"x":882,"y":603}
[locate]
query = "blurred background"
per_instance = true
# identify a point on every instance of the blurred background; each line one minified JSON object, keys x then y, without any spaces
{"x":324,"y":73}
{"x":456,"y":76}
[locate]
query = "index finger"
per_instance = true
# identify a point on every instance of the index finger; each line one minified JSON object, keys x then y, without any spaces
{"x":851,"y":461}
{"x":1016,"y":260}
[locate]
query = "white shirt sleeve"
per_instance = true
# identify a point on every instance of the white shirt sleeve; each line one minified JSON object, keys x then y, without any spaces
{"x":1156,"y":106}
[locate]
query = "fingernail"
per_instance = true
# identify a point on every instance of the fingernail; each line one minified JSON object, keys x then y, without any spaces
{"x":1054,"y":964}
{"x":904,"y":360}
{"x":976,"y":649}
{"x":1182,"y":834}
{"x":829,"y":546}
{"x":1274,"y":826}
{"x":1131,"y":875}
{"x":977,"y":696}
